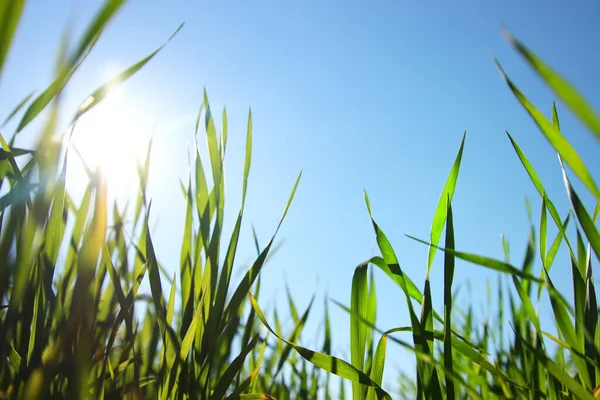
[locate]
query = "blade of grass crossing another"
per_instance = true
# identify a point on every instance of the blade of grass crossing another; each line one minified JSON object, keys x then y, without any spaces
{"x":328,"y":363}
{"x":555,"y":138}
{"x":448,"y":279}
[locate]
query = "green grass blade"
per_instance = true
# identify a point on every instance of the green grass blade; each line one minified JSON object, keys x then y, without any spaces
{"x":555,"y":138}
{"x":583,"y":217}
{"x":358,"y":330}
{"x":448,"y":279}
{"x":439,"y":218}
{"x":485,"y":262}
{"x":87,"y":42}
{"x":378,"y":365}
{"x":10,"y":14}
{"x":575,"y":101}
{"x":328,"y":363}
{"x":99,"y":94}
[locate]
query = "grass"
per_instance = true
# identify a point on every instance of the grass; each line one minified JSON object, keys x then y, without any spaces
{"x":69,"y":327}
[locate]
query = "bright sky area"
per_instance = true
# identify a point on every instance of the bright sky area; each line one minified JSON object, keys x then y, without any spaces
{"x":358,"y":95}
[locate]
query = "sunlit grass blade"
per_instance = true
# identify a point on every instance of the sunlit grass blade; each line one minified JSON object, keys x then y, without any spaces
{"x":553,"y":135}
{"x":575,"y":101}
{"x":86,"y":43}
{"x":439,"y":218}
{"x":99,"y":94}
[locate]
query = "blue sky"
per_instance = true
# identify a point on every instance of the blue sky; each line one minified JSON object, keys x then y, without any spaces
{"x":358,"y":95}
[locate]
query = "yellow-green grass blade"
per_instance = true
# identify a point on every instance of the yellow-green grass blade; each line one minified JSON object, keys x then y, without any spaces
{"x":328,"y":363}
{"x":439,"y":218}
{"x":185,"y":260}
{"x":591,"y":358}
{"x":571,"y":97}
{"x":449,"y":264}
{"x":556,"y":139}
{"x":55,"y":226}
{"x":171,"y":303}
{"x":437,"y":226}
{"x":80,"y":318}
{"x":358,"y":330}
{"x":10,"y":14}
{"x":248,"y":156}
{"x":86,"y":43}
{"x":99,"y":94}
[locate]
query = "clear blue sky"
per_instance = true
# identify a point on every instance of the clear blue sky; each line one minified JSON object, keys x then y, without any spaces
{"x":359,"y":95}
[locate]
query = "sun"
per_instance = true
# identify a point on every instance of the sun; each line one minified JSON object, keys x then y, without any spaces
{"x":111,"y":137}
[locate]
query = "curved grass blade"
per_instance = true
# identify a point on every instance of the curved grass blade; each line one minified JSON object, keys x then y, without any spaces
{"x":578,"y":105}
{"x":555,"y":138}
{"x":87,"y":42}
{"x":328,"y":363}
{"x":485,"y":262}
{"x":99,"y":94}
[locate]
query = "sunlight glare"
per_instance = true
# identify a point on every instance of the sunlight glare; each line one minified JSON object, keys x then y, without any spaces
{"x":110,"y":137}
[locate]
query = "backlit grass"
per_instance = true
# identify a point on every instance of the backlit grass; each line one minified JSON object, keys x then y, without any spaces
{"x":69,"y":327}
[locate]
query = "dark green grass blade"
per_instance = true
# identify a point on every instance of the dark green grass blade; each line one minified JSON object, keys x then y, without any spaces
{"x":556,"y":139}
{"x":448,"y":279}
{"x":578,"y":105}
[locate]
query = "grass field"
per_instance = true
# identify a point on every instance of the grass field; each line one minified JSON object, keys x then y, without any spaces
{"x":70,"y":328}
